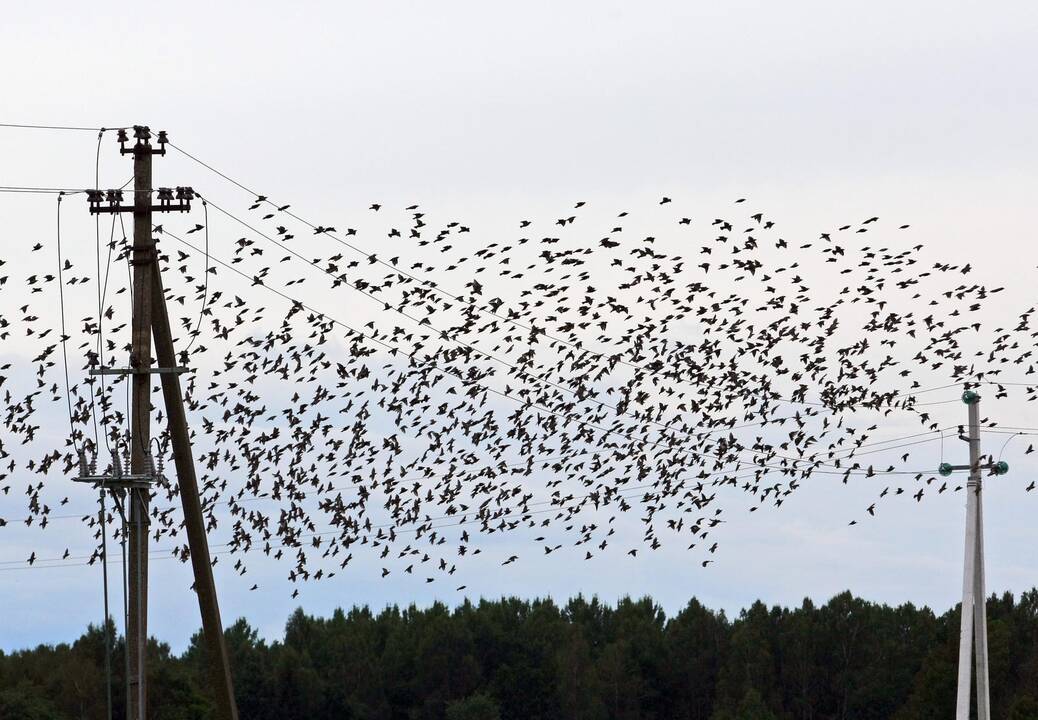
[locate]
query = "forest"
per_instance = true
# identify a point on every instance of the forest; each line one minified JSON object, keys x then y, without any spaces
{"x":514,"y":659}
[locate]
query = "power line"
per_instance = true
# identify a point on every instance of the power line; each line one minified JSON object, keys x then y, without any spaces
{"x":424,"y":282}
{"x":56,"y":189}
{"x":41,"y":190}
{"x":394,"y":350}
{"x":1007,"y":432}
{"x":101,"y":289}
{"x":205,"y":287}
{"x":25,"y":126}
{"x":420,"y":322}
{"x":161,"y":553}
{"x":165,"y":553}
{"x":64,"y":335}
{"x":546,"y":461}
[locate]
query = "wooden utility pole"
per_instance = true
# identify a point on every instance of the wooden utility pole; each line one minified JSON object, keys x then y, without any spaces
{"x":142,"y":258}
{"x":150,"y":319}
{"x":194,"y":523}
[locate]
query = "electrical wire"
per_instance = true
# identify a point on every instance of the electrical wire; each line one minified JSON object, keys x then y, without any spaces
{"x":1008,"y":440}
{"x":40,"y":190}
{"x":130,"y":299}
{"x":205,"y":289}
{"x":544,"y":462}
{"x":426,"y":283}
{"x":64,"y":335}
{"x":1006,"y":432}
{"x":169,"y":553}
{"x":27,"y":126}
{"x":394,"y":350}
{"x":557,"y":386}
{"x":100,"y":309}
{"x":1009,"y":427}
{"x":126,"y":603}
{"x":420,"y":322}
{"x":160,"y":552}
{"x":104,"y":580}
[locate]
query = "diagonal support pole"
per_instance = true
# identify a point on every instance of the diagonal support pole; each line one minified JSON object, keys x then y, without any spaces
{"x":194,"y":522}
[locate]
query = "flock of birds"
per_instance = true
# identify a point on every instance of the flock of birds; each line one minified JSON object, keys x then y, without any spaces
{"x":408,"y":402}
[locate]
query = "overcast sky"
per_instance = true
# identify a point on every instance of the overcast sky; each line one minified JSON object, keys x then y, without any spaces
{"x":818,"y":112}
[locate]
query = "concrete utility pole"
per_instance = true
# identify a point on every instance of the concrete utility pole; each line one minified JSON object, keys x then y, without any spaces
{"x":150,"y":317}
{"x":973,"y":624}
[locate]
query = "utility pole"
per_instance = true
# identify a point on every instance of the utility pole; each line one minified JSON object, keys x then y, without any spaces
{"x":973,"y":624}
{"x":142,"y":258}
{"x":150,"y":318}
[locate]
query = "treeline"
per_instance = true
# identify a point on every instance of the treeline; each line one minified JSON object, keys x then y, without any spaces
{"x":518,"y":660}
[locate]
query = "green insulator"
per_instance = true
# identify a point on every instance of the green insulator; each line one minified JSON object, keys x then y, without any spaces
{"x":970,"y":396}
{"x":945,"y":469}
{"x":1001,"y":467}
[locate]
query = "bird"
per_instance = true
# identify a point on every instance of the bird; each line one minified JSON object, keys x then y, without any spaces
{"x":511,"y":382}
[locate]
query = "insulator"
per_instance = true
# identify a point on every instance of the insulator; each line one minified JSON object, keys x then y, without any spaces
{"x":117,"y":466}
{"x":83,"y":467}
{"x":114,"y":197}
{"x":162,"y":137}
{"x":121,"y":135}
{"x":142,"y":133}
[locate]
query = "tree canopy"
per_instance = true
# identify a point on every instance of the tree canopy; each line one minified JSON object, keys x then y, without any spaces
{"x":513,"y":659}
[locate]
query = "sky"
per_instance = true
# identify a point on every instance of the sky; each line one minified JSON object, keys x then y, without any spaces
{"x":819,"y":112}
